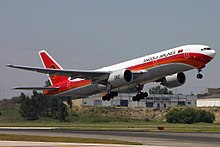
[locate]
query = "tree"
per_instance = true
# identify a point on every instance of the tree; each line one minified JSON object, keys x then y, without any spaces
{"x":70,"y":103}
{"x":189,"y":116}
{"x":58,"y":109}
{"x":160,"y":90}
{"x":62,"y":111}
{"x":53,"y":107}
{"x":28,"y":108}
{"x":40,"y":105}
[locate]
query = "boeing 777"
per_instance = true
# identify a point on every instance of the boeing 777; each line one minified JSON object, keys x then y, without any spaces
{"x":166,"y":67}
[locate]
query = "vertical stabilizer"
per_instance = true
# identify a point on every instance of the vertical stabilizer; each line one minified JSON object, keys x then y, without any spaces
{"x":49,"y":62}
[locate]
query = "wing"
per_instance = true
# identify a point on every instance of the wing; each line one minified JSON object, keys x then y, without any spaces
{"x":36,"y":88}
{"x":87,"y":74}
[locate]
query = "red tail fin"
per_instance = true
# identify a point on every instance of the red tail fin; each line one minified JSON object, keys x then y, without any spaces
{"x":49,"y":62}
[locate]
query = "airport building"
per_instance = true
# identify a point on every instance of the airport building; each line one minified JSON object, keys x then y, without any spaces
{"x":210,"y":98}
{"x":152,"y":101}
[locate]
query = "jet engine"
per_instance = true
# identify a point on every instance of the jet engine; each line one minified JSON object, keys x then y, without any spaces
{"x":120,"y":77}
{"x":174,"y":80}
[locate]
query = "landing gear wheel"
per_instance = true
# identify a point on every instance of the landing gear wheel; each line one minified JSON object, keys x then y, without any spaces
{"x":199,"y":76}
{"x":104,"y":98}
{"x":115,"y":94}
{"x":134,"y":98}
{"x":109,"y":96}
{"x":140,"y":95}
{"x":143,"y":94}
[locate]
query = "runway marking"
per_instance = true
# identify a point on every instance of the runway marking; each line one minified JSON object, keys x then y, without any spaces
{"x":149,"y":139}
{"x":31,"y":128}
{"x":28,"y":143}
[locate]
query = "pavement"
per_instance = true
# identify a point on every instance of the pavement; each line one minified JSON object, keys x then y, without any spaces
{"x":146,"y":138}
{"x":28,"y":143}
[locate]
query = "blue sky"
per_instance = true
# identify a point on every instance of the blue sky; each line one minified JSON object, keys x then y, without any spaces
{"x":88,"y":34}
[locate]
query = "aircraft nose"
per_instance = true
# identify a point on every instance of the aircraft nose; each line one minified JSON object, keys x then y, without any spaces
{"x":212,"y":53}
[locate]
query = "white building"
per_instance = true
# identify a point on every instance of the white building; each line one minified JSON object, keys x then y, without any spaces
{"x":210,"y":98}
{"x":152,"y":101}
{"x":210,"y":102}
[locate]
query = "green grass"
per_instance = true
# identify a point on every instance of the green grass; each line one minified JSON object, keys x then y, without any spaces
{"x":86,"y":121}
{"x":148,"y":127}
{"x":63,"y":139}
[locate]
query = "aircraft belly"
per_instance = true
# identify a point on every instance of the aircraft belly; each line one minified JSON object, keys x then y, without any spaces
{"x":84,"y":90}
{"x":160,"y":71}
{"x":156,"y":73}
{"x":151,"y":75}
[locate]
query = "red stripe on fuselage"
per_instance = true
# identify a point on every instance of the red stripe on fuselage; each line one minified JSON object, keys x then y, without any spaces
{"x":67,"y":85}
{"x":196,"y":60}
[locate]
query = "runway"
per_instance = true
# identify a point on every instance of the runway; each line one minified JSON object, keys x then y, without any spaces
{"x":147,"y":138}
{"x":28,"y":143}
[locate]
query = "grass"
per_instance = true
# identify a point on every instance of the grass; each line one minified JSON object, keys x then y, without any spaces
{"x":153,"y":126}
{"x":86,"y":121}
{"x":62,"y":139}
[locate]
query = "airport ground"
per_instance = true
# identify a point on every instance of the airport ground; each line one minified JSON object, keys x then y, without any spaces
{"x":145,"y":138}
{"x":104,"y":127}
{"x":94,"y":120}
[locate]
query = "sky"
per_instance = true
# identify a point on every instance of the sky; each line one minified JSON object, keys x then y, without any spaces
{"x":89,"y":34}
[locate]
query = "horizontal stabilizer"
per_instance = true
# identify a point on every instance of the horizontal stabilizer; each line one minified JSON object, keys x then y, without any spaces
{"x":36,"y":88}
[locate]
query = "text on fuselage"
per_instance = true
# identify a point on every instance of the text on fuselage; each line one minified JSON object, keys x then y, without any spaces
{"x":164,"y":55}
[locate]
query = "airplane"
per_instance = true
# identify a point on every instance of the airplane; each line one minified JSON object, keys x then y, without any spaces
{"x":166,"y":67}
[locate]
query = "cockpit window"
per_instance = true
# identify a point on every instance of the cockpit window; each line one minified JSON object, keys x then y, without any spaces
{"x":204,"y":49}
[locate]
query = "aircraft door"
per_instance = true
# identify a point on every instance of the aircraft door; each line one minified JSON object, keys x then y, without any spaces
{"x":186,"y":54}
{"x":155,"y":62}
{"x":157,"y":70}
{"x":68,"y":85}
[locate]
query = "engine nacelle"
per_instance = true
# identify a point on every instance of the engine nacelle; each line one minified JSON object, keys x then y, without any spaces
{"x":174,"y":80}
{"x":120,"y":77}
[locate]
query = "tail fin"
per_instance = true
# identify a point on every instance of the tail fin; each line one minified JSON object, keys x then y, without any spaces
{"x":49,"y":62}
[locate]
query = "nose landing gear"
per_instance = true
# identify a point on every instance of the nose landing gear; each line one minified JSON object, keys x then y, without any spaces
{"x":199,"y":75}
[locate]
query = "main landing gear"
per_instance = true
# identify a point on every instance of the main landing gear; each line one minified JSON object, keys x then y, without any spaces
{"x":140,"y":95}
{"x":109,"y":95}
{"x":199,"y":75}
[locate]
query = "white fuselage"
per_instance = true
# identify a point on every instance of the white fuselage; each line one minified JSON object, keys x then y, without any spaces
{"x":154,"y":67}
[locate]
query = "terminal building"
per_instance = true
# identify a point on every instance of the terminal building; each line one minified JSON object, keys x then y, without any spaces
{"x":210,"y":98}
{"x":152,"y":101}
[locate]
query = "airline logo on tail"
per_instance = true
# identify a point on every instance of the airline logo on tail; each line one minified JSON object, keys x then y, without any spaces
{"x":49,"y":62}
